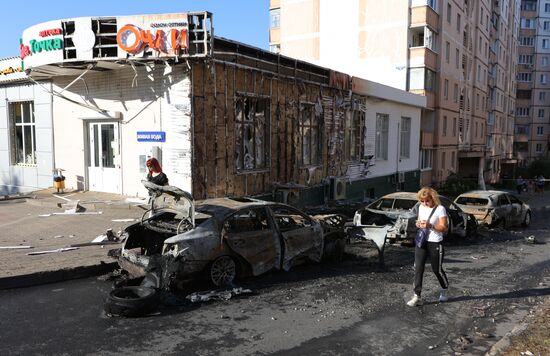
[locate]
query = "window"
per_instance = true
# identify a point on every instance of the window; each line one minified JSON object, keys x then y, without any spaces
{"x":458,"y":23}
{"x":275,"y":18}
{"x":449,"y":10}
{"x":354,"y":122}
{"x":455,"y":93}
{"x":546,"y":25}
{"x":446,"y":89}
{"x":542,"y":96}
{"x":275,"y":48}
{"x":246,"y":221}
{"x":310,"y":133}
{"x":547,"y":7}
{"x":454,"y":126}
{"x":288,"y":219}
{"x":527,"y":23}
{"x":525,"y":59}
{"x":529,"y":5}
{"x":544,"y":79}
{"x":524,"y":77}
{"x":426,"y":159}
{"x":538,"y":148}
{"x":22,"y":132}
{"x":457,"y":58}
{"x":540,"y":130}
{"x":251,"y":133}
{"x":545,"y":43}
{"x":522,"y":111}
{"x":422,"y":79}
{"x":526,"y":41}
{"x":544,"y":61}
{"x":541,"y":113}
{"x":382,"y":124}
{"x":447,"y":51}
{"x":444,"y":129}
{"x":405,"y":139}
{"x":522,"y":129}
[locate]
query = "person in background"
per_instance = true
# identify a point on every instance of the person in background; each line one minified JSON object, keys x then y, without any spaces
{"x":437,"y":223}
{"x":155,"y":174}
{"x":520,"y":184}
{"x":540,"y":183}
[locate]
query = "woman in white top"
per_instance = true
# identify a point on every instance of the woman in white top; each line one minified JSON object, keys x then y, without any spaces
{"x":436,"y":221}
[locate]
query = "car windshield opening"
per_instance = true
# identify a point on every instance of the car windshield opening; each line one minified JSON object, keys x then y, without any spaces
{"x":472,"y":201}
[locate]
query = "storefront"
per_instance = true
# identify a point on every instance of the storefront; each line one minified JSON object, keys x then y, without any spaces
{"x":26,"y":146}
{"x":224,"y":118}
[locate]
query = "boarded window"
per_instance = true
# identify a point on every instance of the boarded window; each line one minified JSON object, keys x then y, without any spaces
{"x":251,"y":133}
{"x":382,"y":125}
{"x":353,"y":129}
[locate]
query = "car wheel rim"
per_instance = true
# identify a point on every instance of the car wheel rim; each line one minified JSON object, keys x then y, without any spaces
{"x":223,"y":271}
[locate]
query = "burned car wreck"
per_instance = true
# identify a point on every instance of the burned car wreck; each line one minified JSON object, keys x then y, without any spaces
{"x":392,"y":219}
{"x":223,"y":239}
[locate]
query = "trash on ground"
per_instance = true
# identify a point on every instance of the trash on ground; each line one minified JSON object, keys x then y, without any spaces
{"x":63,"y":249}
{"x":531,"y":239}
{"x":123,"y":220}
{"x":15,"y":247}
{"x":66,"y":213}
{"x":478,"y":257}
{"x":219,"y":295}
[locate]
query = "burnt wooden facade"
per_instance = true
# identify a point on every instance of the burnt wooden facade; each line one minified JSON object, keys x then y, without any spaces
{"x":237,"y":74}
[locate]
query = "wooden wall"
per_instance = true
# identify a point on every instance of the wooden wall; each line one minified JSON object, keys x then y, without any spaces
{"x":215,"y":88}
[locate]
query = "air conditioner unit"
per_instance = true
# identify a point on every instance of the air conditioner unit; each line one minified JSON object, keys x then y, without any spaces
{"x":337,"y":188}
{"x":401,"y":177}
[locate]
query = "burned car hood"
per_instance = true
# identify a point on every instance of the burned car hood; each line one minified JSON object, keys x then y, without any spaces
{"x":180,"y":200}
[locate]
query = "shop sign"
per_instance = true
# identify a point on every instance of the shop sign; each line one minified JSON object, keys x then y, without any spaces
{"x":151,"y":136}
{"x":42,"y":44}
{"x":165,"y":34}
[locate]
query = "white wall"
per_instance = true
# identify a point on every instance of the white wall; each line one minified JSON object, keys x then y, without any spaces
{"x":147,"y":100}
{"x":16,"y":178}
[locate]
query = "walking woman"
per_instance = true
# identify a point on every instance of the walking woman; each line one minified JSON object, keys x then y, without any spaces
{"x":433,"y":217}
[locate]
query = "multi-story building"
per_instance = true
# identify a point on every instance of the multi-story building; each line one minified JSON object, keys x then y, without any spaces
{"x":461,"y":55}
{"x":533,"y":92}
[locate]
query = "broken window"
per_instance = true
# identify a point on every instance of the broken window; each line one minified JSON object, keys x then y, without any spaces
{"x":289,"y":219}
{"x":22,"y":132}
{"x":247,"y":220}
{"x":251,"y":133}
{"x":310,"y":133}
{"x":382,"y":125}
{"x":353,"y":129}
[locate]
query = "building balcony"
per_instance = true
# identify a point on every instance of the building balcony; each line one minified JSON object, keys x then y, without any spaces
{"x":430,"y":97}
{"x":423,"y":56}
{"x":521,"y":137}
{"x":426,"y":139}
{"x":424,"y":15}
{"x":275,"y":35}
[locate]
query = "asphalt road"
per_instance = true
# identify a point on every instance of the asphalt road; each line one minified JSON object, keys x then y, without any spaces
{"x":347,"y":308}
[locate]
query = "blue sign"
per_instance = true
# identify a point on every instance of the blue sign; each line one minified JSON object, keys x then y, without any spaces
{"x":151,"y":136}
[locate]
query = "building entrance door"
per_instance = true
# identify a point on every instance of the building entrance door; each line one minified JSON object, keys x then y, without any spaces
{"x":104,"y":165}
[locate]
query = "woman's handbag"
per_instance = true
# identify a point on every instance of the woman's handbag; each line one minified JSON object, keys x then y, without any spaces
{"x":422,"y":234}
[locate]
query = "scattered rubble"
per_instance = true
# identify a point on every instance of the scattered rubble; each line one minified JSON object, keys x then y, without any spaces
{"x":215,"y":294}
{"x":63,"y":249}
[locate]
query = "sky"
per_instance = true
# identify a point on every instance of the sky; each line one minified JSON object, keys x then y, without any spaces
{"x":240,"y":20}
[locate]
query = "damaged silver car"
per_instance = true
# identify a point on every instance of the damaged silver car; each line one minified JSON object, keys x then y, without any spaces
{"x":223,"y":239}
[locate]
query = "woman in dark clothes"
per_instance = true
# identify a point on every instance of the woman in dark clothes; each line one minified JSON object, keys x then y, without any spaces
{"x":155,"y":174}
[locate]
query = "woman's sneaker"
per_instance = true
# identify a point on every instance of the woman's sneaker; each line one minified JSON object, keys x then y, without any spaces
{"x":415,"y":301}
{"x":443,"y":297}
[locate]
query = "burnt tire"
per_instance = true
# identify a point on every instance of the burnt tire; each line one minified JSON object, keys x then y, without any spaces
{"x":131,"y":301}
{"x":223,"y":271}
{"x":527,"y":220}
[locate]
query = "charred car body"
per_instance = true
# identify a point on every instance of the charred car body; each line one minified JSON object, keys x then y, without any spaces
{"x":222,"y":239}
{"x":392,"y":218}
{"x":493,"y":207}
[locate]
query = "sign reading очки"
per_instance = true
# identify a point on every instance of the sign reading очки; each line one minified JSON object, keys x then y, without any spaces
{"x":166,"y":35}
{"x":151,"y":136}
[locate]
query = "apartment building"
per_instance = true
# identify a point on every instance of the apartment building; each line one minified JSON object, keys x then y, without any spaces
{"x":533,"y":97}
{"x":461,"y":55}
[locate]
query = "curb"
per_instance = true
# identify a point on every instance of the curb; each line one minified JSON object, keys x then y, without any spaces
{"x":39,"y":278}
{"x":502,"y":344}
{"x":93,"y":206}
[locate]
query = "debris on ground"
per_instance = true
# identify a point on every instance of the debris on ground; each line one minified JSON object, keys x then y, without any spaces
{"x":531,"y":239}
{"x":108,"y":236}
{"x":66,"y":213}
{"x":63,"y":249}
{"x":219,"y":295}
{"x":15,"y":247}
{"x":123,"y":220}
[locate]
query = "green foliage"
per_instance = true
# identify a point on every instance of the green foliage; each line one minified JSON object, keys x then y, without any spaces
{"x":456,"y":184}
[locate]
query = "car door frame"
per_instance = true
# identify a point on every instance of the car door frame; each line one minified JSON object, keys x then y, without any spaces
{"x":516,"y":209}
{"x":243,"y":243}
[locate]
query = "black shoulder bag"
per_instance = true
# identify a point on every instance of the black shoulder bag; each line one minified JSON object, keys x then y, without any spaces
{"x":421,"y":238}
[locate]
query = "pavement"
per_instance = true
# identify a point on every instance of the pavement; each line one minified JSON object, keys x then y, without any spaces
{"x":49,"y":221}
{"x":46,"y":221}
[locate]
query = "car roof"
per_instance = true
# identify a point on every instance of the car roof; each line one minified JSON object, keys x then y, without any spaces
{"x":482,"y":193}
{"x":221,"y":207}
{"x":400,"y":195}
